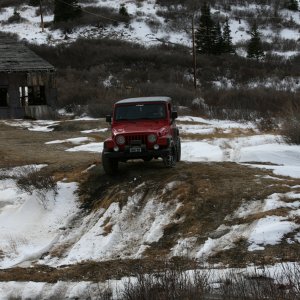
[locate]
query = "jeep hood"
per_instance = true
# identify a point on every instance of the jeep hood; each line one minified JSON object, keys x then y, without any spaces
{"x":139,"y":127}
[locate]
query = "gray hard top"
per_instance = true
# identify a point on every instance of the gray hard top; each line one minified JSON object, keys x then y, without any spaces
{"x":15,"y":56}
{"x":144,"y":99}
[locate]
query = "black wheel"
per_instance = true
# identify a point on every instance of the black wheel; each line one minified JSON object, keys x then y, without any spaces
{"x":170,"y":160}
{"x":178,"y":149}
{"x":110,"y":165}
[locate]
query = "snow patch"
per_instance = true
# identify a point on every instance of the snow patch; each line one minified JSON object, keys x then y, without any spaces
{"x":269,"y":231}
{"x":122,"y":232}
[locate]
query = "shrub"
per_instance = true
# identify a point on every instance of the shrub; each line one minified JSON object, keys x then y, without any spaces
{"x":10,"y":3}
{"x":291,"y":130}
{"x":47,"y":7}
{"x":15,"y":18}
{"x":168,"y":284}
{"x":267,"y":124}
{"x":123,"y":10}
{"x":173,"y":282}
{"x":97,"y":110}
{"x":259,"y":285}
{"x":34,"y":2}
{"x":265,"y":102}
{"x":94,"y":16}
{"x":180,"y":95}
{"x":32,"y":179}
{"x":84,"y":65}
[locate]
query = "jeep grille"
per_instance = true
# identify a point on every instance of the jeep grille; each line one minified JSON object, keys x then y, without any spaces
{"x":136,"y":139}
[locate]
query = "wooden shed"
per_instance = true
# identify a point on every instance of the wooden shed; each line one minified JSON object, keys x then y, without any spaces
{"x":27,"y":82}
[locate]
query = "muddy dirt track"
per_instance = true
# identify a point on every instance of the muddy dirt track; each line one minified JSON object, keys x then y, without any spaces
{"x":19,"y":146}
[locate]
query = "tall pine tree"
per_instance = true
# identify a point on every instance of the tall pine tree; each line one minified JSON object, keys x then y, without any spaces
{"x":34,"y":2}
{"x":254,"y":49}
{"x":292,"y":5}
{"x":218,"y":43}
{"x":227,"y":40}
{"x":205,"y":34}
{"x":66,"y":10}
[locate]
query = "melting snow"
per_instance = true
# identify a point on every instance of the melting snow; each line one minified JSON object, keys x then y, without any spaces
{"x":122,"y":232}
{"x":90,"y":147}
{"x":40,"y":125}
{"x":20,"y":238}
{"x":75,"y":141}
{"x":269,"y":231}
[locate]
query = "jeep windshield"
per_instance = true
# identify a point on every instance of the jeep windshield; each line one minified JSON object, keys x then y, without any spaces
{"x":138,"y":111}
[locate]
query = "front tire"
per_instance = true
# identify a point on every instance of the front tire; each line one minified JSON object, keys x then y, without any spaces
{"x":170,"y":160}
{"x":178,"y":149}
{"x":110,"y":165}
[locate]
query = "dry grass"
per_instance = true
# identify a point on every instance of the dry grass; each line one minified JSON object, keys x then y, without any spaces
{"x":107,"y":226}
{"x":87,"y":271}
{"x":280,"y":212}
{"x":164,"y":280}
{"x":60,"y":250}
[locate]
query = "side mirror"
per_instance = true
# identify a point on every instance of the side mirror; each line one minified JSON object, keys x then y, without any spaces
{"x":108,"y":118}
{"x":174,"y":115}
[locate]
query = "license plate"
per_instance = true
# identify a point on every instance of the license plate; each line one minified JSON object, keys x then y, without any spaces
{"x":135,"y":149}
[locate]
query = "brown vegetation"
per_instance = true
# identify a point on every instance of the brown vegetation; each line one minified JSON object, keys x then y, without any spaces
{"x":133,"y":70}
{"x":291,"y":130}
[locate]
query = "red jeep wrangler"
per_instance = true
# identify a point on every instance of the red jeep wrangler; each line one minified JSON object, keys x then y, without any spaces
{"x":142,"y":128}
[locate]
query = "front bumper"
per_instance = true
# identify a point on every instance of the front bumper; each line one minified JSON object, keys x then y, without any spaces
{"x":145,"y":153}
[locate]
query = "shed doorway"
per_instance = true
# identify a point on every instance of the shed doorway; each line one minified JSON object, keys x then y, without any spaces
{"x":3,"y":97}
{"x":32,"y":95}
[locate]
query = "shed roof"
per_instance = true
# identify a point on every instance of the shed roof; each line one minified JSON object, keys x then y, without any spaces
{"x":16,"y":57}
{"x":145,"y":99}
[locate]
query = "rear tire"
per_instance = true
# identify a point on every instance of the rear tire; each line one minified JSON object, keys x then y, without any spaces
{"x":110,"y":165}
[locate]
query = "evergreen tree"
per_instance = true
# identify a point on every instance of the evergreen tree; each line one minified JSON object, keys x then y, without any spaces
{"x":255,"y":47}
{"x":227,"y":40}
{"x":123,"y":10}
{"x":218,"y":43}
{"x":205,"y":34}
{"x":292,"y":5}
{"x":34,"y":2}
{"x":66,"y":10}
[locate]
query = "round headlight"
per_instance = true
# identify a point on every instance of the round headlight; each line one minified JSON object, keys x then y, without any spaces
{"x":152,"y":138}
{"x":120,"y":139}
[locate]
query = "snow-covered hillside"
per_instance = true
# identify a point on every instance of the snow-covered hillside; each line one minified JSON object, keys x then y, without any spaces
{"x":140,"y":30}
